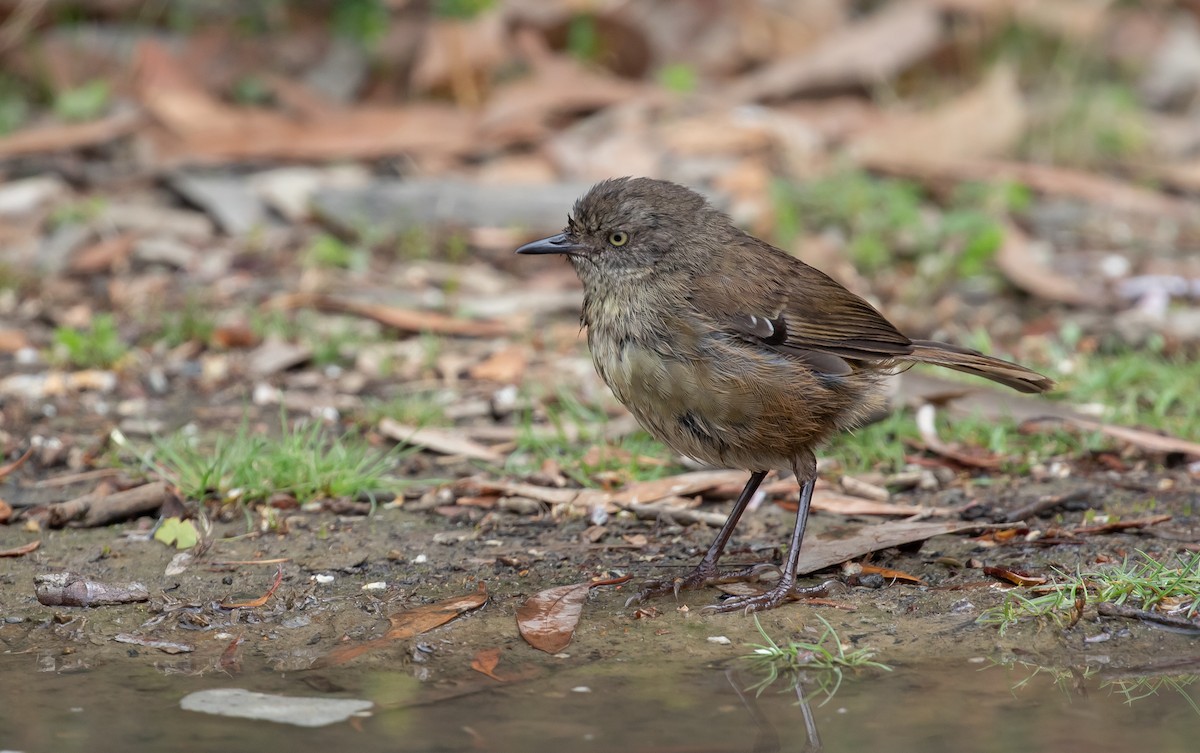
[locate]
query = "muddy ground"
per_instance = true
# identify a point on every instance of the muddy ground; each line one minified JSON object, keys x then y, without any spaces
{"x":423,"y":557}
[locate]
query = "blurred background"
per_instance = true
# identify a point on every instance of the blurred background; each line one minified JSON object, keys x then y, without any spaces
{"x":205,"y":205}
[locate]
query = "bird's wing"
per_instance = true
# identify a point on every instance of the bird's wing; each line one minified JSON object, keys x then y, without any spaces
{"x":795,"y":309}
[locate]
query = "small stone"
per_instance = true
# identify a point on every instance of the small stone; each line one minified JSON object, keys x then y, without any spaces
{"x":962,"y":606}
{"x":20,"y":198}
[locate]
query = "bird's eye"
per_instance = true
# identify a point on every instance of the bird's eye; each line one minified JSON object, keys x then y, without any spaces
{"x":618,"y":238}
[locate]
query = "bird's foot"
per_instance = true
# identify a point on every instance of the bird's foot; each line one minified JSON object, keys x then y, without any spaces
{"x":781,"y":593}
{"x":705,"y":574}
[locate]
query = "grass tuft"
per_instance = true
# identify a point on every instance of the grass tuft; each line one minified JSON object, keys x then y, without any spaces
{"x":827,"y":657}
{"x":1143,"y":581}
{"x":306,"y":461}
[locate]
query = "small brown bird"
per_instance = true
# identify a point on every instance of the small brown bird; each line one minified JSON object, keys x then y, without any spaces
{"x":731,"y":351}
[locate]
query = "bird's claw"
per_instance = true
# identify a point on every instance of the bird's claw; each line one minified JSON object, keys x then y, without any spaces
{"x":767,"y":600}
{"x":702,"y":576}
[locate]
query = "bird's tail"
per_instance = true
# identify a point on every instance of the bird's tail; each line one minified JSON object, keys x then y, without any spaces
{"x":974,"y":362}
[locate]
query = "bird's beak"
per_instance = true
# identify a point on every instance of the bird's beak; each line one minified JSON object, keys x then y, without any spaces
{"x":555,"y":244}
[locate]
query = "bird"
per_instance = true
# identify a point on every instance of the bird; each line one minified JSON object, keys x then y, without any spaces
{"x":731,"y":351}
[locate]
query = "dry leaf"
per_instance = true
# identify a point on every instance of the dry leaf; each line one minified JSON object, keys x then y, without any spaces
{"x":12,"y":340}
{"x":200,"y":127}
{"x":819,"y":553}
{"x":445,"y":441}
{"x":1014,"y":576}
{"x":261,"y":600}
{"x":457,"y":53}
{"x":506,"y":366}
{"x":862,"y":54}
{"x":1028,"y":271}
{"x":547,"y":619}
{"x":103,"y":255}
{"x":411,"y":622}
{"x":57,"y":138}
{"x":891,"y":574}
{"x":985,"y":122}
{"x":485,"y":663}
{"x":558,"y":85}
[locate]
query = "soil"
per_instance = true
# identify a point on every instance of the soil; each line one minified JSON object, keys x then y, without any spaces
{"x":422,"y":557}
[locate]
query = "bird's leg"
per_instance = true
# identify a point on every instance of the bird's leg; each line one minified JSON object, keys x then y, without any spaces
{"x":706,"y":572}
{"x":786,"y":587}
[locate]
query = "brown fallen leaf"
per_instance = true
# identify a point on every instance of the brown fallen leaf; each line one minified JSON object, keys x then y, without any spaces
{"x":862,"y":54}
{"x":485,"y":662}
{"x":444,"y":441}
{"x":819,"y":553}
{"x":459,"y":54}
{"x":230,"y":662}
{"x":57,"y":138}
{"x":1014,"y":576}
{"x":409,"y":623}
{"x":103,"y":255}
{"x":557,"y":85}
{"x":261,"y":600}
{"x":407,"y":320}
{"x":1024,"y":267}
{"x":985,"y":122}
{"x":20,"y":551}
{"x":891,"y":574}
{"x":231,"y":336}
{"x":191,"y":124}
{"x":547,"y":619}
{"x":506,"y":366}
{"x":12,"y":340}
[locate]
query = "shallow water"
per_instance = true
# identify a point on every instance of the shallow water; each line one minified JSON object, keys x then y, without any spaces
{"x":604,"y":705}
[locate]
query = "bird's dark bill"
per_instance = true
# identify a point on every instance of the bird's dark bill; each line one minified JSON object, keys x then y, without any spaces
{"x":555,"y":244}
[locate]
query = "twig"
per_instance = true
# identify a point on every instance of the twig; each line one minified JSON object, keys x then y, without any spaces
{"x":1122,"y":525}
{"x":1108,"y":609}
{"x":92,"y":510}
{"x":1044,"y":503}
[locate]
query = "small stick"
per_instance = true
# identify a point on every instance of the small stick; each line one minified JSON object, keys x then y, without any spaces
{"x":1124,"y":610}
{"x":1047,"y":502}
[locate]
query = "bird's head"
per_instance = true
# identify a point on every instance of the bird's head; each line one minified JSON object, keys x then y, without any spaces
{"x":629,"y":229}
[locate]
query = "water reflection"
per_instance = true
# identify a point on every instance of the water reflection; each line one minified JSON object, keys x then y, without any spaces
{"x":613,"y":705}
